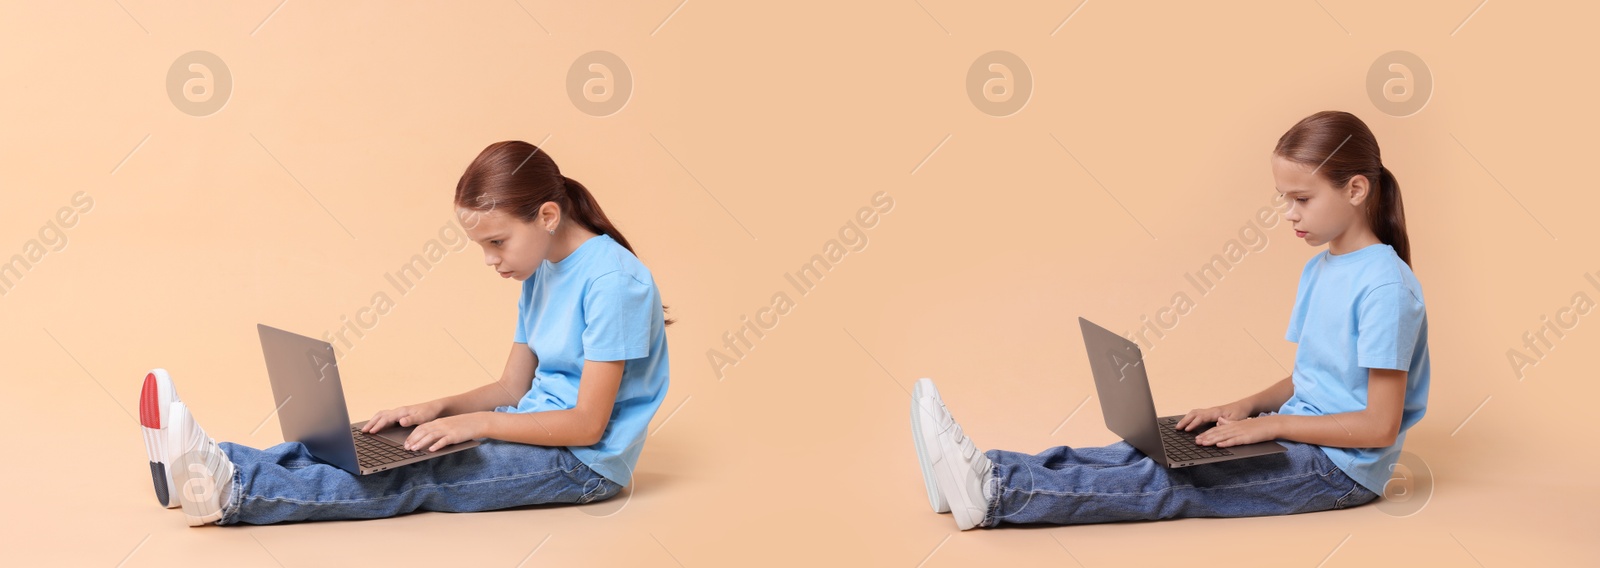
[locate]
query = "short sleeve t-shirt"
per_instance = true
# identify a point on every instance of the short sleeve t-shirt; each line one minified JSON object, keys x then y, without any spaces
{"x":598,"y":304}
{"x":1358,"y":311}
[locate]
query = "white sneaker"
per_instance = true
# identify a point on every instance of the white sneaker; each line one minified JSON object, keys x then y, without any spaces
{"x":924,"y":394}
{"x":154,"y":396}
{"x":202,"y":474}
{"x":960,"y":472}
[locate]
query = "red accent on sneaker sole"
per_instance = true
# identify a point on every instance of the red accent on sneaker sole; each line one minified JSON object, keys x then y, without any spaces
{"x":150,"y":403}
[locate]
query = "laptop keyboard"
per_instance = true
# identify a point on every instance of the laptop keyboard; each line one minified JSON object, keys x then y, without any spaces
{"x":372,"y":452}
{"x":1180,"y":445}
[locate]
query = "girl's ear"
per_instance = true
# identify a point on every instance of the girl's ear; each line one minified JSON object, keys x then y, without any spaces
{"x":549,"y":216}
{"x":1357,"y":189}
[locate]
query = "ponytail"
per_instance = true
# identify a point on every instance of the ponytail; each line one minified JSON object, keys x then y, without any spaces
{"x":586,"y":211}
{"x":1388,"y":215}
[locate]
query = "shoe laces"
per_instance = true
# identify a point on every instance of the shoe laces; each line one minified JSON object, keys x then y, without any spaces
{"x":948,"y":421}
{"x":198,"y":436}
{"x":962,"y":441}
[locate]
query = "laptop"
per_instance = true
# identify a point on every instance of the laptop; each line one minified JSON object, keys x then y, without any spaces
{"x":1124,"y":389}
{"x":310,"y":402}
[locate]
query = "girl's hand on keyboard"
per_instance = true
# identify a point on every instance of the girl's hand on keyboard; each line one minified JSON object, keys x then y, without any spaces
{"x":411,"y":415}
{"x":1230,"y":432}
{"x":448,"y":430}
{"x":1202,"y":416}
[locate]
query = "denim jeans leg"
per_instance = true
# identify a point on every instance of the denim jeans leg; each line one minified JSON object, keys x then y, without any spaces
{"x":1118,"y":483}
{"x":286,"y":483}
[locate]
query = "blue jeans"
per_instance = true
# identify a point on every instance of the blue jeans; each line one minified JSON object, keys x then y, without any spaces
{"x":1118,"y":483}
{"x":285,"y":483}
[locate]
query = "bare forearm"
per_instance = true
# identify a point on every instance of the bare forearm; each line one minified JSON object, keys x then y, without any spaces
{"x":483,"y":398}
{"x":1269,"y":399}
{"x":582,"y":425}
{"x":568,"y":427}
{"x":1361,"y":429}
{"x":1376,"y":426}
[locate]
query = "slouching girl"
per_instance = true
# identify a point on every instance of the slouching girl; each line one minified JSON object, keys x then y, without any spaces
{"x":565,"y":423}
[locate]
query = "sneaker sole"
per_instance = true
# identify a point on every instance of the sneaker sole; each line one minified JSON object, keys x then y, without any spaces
{"x":154,"y":397}
{"x":935,"y":499}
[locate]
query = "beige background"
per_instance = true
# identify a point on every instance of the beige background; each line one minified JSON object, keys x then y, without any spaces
{"x":753,"y":132}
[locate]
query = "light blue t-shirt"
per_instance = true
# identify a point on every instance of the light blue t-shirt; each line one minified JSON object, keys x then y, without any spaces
{"x":1357,"y":311}
{"x":601,"y":304}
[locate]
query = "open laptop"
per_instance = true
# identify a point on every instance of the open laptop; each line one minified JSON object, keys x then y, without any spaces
{"x":1124,"y":388}
{"x":310,"y":402}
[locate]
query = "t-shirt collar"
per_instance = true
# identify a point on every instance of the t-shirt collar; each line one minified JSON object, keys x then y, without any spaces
{"x":577,"y":254}
{"x":1360,"y":253}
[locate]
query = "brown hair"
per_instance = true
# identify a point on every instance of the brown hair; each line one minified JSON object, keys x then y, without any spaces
{"x":1342,"y":147}
{"x":519,"y":177}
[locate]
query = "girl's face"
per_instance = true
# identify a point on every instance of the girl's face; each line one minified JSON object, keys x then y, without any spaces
{"x":512,"y":247}
{"x":1318,"y":211}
